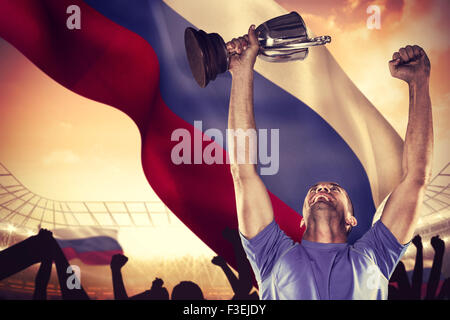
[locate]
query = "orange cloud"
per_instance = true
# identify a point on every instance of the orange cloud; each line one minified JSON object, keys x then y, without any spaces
{"x":345,"y":13}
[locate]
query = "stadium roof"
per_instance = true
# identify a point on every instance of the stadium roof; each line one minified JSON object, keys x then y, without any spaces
{"x":21,"y":209}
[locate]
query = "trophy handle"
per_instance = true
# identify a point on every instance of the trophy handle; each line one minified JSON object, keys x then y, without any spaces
{"x":303,"y":44}
{"x":318,"y":41}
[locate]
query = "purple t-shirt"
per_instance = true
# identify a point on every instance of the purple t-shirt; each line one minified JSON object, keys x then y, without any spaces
{"x":312,"y":270}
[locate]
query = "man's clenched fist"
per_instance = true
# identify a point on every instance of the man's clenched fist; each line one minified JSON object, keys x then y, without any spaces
{"x":410,"y":64}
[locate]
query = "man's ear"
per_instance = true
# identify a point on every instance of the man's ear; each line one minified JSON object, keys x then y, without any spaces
{"x":351,"y":220}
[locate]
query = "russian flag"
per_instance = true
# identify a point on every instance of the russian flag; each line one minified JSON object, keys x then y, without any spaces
{"x":92,"y":245}
{"x":130,"y":55}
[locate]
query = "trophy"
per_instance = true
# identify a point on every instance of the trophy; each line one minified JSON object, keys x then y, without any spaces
{"x":281,"y":39}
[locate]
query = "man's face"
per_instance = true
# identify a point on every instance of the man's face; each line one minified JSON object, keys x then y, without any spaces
{"x":329,"y":196}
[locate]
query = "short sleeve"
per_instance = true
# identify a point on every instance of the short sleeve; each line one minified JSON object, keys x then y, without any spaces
{"x":265,"y":248}
{"x":382,"y":247}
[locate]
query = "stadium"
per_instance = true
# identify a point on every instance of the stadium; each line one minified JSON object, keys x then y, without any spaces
{"x":142,"y":227}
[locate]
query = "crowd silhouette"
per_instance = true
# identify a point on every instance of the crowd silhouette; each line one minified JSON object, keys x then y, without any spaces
{"x":185,"y":290}
{"x":44,"y":249}
{"x":400,"y":287}
{"x":188,"y":290}
{"x":41,"y":248}
{"x":243,"y":284}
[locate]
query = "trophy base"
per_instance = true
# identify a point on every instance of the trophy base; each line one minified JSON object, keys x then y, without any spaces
{"x":207,"y":55}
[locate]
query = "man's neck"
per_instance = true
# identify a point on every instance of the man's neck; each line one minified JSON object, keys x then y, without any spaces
{"x":325,"y":229}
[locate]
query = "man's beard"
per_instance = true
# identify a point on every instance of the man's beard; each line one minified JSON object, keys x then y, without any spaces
{"x":323,"y":209}
{"x":321,"y":205}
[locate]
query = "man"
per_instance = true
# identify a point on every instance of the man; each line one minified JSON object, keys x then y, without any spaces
{"x":324,"y":266}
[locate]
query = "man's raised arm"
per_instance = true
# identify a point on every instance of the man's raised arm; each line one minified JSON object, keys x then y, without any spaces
{"x":253,"y":204}
{"x":402,"y":209}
